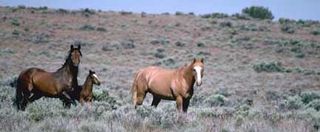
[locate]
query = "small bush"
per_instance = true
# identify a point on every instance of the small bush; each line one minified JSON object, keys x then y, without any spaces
{"x":179,"y":13}
{"x":128,"y":44}
{"x":309,"y":96}
{"x":315,"y":32}
{"x":16,"y":32}
{"x":201,"y":44}
{"x":215,"y":15}
{"x":40,"y":38}
{"x":241,"y":16}
{"x":180,"y":44}
{"x":287,"y":29}
{"x":258,"y":12}
{"x":62,"y":11}
{"x":226,"y":24}
{"x":21,"y":6}
{"x":15,"y":22}
{"x":143,"y":14}
{"x":102,"y":95}
{"x":160,"y":54}
{"x":286,"y":21}
{"x":216,"y":100}
{"x":269,"y":67}
{"x":125,"y":12}
{"x":294,"y":102}
{"x":101,"y":29}
{"x":314,"y":104}
{"x":87,"y":12}
{"x":87,"y":27}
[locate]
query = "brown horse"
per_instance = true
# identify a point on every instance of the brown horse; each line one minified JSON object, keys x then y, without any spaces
{"x":85,"y":94}
{"x":34,"y":83}
{"x":168,"y":84}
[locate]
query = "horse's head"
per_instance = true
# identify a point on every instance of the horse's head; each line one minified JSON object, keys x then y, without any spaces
{"x":94,"y":77}
{"x":75,"y":55}
{"x":198,"y":68}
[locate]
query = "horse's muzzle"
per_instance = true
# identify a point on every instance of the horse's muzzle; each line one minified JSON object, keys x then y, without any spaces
{"x":199,"y":83}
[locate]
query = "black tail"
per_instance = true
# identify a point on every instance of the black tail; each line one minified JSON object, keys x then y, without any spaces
{"x":19,"y":95}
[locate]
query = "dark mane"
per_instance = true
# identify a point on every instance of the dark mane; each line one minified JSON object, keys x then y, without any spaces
{"x":73,"y":69}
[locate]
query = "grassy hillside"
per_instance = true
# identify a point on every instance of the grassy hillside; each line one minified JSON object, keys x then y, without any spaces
{"x":260,"y":75}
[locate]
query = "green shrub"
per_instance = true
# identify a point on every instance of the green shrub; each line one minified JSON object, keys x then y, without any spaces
{"x":216,"y":100}
{"x":215,"y":15}
{"x":287,"y":29}
{"x":15,"y":22}
{"x":242,"y":110}
{"x":87,"y":12}
{"x":314,"y":104}
{"x":309,"y":96}
{"x":286,"y":21}
{"x":206,"y":113}
{"x":16,"y":32}
{"x":101,"y":29}
{"x":102,"y":95}
{"x":226,"y":24}
{"x":179,"y":13}
{"x":87,"y":27}
{"x":315,"y":32}
{"x":269,"y":67}
{"x":294,"y":102}
{"x":241,"y":16}
{"x":258,"y":12}
{"x":21,"y":6}
{"x":62,"y":11}
{"x":125,"y":13}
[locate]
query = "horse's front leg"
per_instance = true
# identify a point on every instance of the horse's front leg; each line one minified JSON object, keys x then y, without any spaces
{"x":67,"y":100}
{"x":179,"y":101}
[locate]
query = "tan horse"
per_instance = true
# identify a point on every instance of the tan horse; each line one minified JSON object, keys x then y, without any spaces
{"x":86,"y":90}
{"x":168,"y":84}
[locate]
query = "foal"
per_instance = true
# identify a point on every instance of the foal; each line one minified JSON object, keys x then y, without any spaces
{"x":85,"y":94}
{"x":168,"y":84}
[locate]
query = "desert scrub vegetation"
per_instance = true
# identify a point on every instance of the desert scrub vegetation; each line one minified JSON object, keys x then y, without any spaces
{"x":297,"y":48}
{"x":315,"y":32}
{"x":269,"y":67}
{"x":15,"y":22}
{"x":286,"y":28}
{"x":278,"y":67}
{"x":87,"y":12}
{"x":87,"y":27}
{"x":258,"y":12}
{"x":48,"y":114}
{"x":215,"y":15}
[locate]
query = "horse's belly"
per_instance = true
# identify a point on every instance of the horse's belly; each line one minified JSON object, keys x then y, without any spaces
{"x":162,"y":92}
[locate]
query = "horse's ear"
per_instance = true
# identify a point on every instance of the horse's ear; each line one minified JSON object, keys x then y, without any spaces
{"x":201,"y":60}
{"x":90,"y":72}
{"x":194,"y":60}
{"x":71,"y":47}
{"x":79,"y":46}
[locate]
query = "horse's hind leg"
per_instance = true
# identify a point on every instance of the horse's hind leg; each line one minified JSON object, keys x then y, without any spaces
{"x":156,"y":100}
